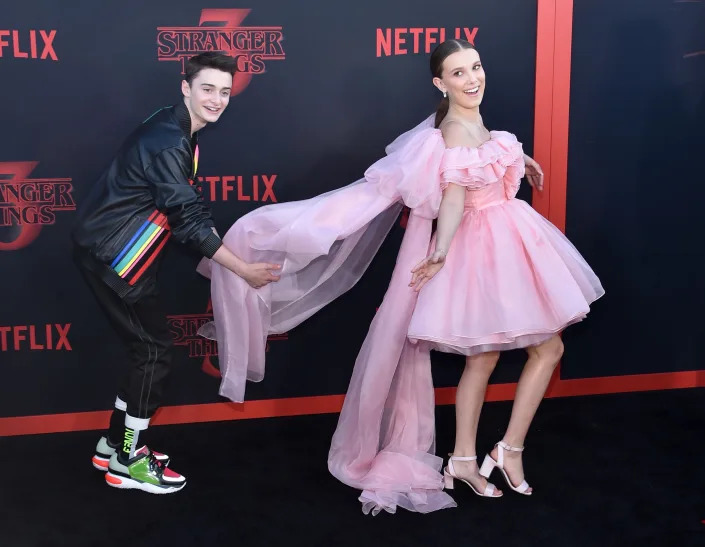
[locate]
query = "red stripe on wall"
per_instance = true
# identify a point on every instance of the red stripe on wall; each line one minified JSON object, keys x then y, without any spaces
{"x":330,"y":404}
{"x":560,"y":118}
{"x":543,"y":99}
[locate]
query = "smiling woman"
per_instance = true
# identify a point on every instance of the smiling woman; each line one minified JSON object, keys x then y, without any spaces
{"x":462,"y":76}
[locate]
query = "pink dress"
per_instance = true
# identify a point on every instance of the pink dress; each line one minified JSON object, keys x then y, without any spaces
{"x":511,"y":279}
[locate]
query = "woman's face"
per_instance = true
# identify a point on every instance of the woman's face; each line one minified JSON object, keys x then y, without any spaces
{"x":463,"y":78}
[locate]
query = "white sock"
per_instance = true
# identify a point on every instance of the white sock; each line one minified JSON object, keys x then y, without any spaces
{"x":133,"y":426}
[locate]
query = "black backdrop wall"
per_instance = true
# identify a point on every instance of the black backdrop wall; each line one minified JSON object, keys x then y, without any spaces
{"x":335,"y":84}
{"x":635,"y":192}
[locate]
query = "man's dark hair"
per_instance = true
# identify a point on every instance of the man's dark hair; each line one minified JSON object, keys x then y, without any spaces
{"x":209,"y":59}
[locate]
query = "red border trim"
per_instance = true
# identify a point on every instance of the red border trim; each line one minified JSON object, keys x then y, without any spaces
{"x":543,"y":105}
{"x":331,"y":404}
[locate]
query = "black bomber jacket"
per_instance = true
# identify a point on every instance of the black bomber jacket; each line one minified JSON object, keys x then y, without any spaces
{"x":145,"y":197}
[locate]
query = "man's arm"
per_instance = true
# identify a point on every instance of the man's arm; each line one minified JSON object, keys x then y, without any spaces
{"x":190,"y":221}
{"x":256,"y":275}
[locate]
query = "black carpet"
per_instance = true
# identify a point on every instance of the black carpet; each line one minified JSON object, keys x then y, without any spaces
{"x":606,"y":470}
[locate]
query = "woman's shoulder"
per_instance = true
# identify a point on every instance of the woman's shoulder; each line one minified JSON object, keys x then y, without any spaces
{"x":456,"y":135}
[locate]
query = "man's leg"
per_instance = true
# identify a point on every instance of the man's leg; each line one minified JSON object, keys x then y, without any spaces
{"x":142,"y":327}
{"x":111,"y":306}
{"x":150,"y":346}
{"x":150,"y":355}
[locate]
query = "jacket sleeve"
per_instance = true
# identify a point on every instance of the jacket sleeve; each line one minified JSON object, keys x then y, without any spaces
{"x":190,"y":221}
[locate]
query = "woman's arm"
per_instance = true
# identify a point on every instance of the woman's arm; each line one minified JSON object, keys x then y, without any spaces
{"x":449,"y":216}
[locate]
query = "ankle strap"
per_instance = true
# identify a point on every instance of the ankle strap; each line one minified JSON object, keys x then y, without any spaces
{"x":452,"y":458}
{"x":510,"y":448}
{"x":462,"y":458}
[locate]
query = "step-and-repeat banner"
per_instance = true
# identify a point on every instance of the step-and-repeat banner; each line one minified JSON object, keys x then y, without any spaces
{"x":324,"y":86}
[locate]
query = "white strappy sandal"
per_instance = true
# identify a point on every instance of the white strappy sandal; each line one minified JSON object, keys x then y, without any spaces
{"x":489,"y":464}
{"x":449,"y":475}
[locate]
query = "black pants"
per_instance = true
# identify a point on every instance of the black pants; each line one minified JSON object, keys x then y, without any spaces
{"x":144,"y":331}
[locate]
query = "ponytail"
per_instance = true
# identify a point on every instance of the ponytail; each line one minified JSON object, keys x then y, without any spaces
{"x":441,"y":111}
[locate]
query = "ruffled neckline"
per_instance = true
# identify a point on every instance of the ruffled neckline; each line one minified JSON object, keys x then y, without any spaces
{"x":495,"y":135}
{"x":502,"y":147}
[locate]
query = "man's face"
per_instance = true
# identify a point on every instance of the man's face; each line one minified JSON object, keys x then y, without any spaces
{"x":208,"y":94}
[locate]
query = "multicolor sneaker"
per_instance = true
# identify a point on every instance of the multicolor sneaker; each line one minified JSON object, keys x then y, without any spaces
{"x":104,"y":450}
{"x":144,"y":472}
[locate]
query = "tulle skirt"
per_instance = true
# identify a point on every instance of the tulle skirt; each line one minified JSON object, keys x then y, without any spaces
{"x":511,"y":280}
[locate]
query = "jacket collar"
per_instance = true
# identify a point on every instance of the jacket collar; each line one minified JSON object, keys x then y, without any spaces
{"x":182,"y":114}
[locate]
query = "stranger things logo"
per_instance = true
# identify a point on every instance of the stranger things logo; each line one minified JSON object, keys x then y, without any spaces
{"x":28,"y":204}
{"x":418,"y":40}
{"x":222,"y":30}
{"x":184,"y":331}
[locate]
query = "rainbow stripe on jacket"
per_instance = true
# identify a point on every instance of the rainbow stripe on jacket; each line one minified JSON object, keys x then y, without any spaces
{"x":141,"y":250}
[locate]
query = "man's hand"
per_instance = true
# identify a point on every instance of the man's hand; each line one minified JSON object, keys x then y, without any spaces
{"x":534,"y":174}
{"x":258,"y":275}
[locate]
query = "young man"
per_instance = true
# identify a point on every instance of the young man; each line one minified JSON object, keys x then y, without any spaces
{"x":144,"y":198}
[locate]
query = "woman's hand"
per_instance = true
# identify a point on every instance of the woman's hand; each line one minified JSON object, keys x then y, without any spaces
{"x":534,"y":174}
{"x":424,"y":271}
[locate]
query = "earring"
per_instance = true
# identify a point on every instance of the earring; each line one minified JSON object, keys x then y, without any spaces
{"x":445,"y":94}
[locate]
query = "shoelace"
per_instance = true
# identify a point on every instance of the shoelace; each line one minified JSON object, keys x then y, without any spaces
{"x":155,"y":466}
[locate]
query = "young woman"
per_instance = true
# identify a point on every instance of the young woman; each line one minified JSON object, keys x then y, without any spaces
{"x":496,"y":276}
{"x":500,"y":276}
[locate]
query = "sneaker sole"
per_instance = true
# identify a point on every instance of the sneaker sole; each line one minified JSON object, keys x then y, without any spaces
{"x":117,"y":481}
{"x":101,"y":464}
